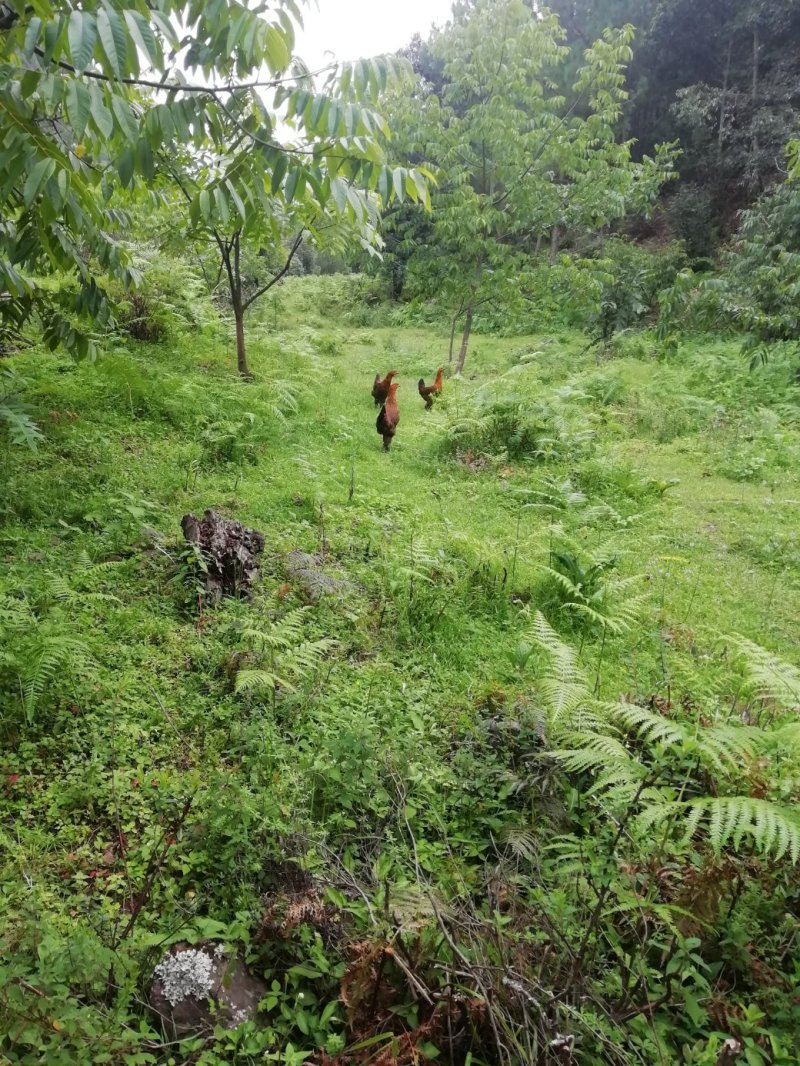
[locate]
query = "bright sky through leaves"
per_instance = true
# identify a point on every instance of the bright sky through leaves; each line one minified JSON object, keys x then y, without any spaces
{"x":351,"y":29}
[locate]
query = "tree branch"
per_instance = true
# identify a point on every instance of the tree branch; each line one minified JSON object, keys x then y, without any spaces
{"x":171,"y":87}
{"x":274,"y":281}
{"x":538,"y":155}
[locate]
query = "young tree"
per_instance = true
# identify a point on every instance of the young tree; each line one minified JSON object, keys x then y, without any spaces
{"x":97,"y":96}
{"x":325,"y":187}
{"x":517,"y":165}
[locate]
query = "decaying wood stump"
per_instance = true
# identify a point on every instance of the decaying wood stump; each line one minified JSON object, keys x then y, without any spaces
{"x":230,"y":552}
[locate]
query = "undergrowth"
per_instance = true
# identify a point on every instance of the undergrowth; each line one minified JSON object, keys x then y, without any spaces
{"x":523,"y":790}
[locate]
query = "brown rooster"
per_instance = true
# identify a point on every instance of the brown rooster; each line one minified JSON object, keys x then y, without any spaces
{"x":389,"y":416}
{"x":380,"y":389}
{"x":427,"y":392}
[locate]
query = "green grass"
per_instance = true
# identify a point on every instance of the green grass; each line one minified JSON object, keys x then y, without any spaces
{"x":690,"y":479}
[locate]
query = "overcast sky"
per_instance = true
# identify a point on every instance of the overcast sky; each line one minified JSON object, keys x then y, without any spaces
{"x":355,"y":28}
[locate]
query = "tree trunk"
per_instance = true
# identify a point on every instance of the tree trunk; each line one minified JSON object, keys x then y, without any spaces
{"x":555,"y":238}
{"x":723,"y":102}
{"x":241,"y":354}
{"x":462,"y":354}
{"x":754,"y":99}
{"x":456,"y":317}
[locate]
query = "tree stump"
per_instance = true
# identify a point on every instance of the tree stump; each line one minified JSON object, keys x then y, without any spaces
{"x":229,"y":551}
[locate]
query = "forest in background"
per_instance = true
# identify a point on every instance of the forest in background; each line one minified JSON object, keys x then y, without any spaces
{"x":496,"y":760}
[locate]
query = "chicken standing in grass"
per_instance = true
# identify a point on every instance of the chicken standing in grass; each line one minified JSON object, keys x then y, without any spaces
{"x":389,"y":416}
{"x":428,"y":392}
{"x":380,"y":389}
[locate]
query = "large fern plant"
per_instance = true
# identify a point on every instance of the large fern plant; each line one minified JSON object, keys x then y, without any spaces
{"x":585,"y":588}
{"x":16,"y":416}
{"x":39,"y":646}
{"x":282,"y":655}
{"x":688,"y":778}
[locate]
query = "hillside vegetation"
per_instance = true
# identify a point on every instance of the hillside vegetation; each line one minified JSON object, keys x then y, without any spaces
{"x":519,"y":786}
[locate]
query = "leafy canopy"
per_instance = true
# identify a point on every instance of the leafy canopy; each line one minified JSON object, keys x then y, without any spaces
{"x":95,"y":98}
{"x":515,"y":158}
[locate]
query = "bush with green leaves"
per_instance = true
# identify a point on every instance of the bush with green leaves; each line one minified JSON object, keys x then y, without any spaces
{"x":16,"y":415}
{"x":632,"y":277}
{"x":582,"y":591}
{"x":756,"y":290}
{"x":504,"y":423}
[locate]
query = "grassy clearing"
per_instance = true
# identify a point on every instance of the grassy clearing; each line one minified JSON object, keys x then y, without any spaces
{"x":136,"y":784}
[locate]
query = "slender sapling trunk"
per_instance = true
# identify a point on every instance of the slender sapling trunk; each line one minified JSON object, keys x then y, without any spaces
{"x":462,"y":354}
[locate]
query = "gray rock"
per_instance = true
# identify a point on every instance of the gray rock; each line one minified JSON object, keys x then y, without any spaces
{"x":196,"y":988}
{"x":306,"y":571}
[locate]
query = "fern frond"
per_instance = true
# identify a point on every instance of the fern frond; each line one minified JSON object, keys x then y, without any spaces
{"x":787,"y":736}
{"x":563,"y":658}
{"x":563,"y":699}
{"x":15,"y":613}
{"x":522,"y":841}
{"x":657,"y":810}
{"x":561,"y":579}
{"x":256,"y":680}
{"x":773,"y":830}
{"x":726,"y":746}
{"x":651,"y":727}
{"x":56,"y":652}
{"x":770,"y":676}
{"x":304,"y":657}
{"x":620,"y":783}
{"x":605,"y":621}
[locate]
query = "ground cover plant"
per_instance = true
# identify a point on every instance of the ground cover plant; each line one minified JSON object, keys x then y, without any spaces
{"x":473,"y":739}
{"x":520,"y":787}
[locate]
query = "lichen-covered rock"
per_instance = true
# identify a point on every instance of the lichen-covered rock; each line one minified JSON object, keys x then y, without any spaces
{"x":196,"y":988}
{"x":305,"y":571}
{"x":230,"y":552}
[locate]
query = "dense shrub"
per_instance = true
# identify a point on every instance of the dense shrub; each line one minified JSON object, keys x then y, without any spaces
{"x":513,"y":426}
{"x":171,"y":297}
{"x":631,"y":278}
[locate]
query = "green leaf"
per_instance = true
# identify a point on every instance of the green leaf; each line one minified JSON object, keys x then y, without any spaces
{"x":223,"y":209}
{"x":39,"y":174}
{"x":144,"y":158}
{"x":318,"y":110}
{"x":291,"y":184}
{"x":339,"y":193}
{"x":144,"y":38}
{"x":79,"y":106}
{"x":52,"y":35}
{"x":125,"y":117}
{"x":166,"y":28}
{"x":204,"y":201}
{"x":237,"y":200}
{"x":125,"y":166}
{"x":82,"y":34}
{"x":114,"y":41}
{"x":385,"y":184}
{"x":278,"y":174}
{"x":101,"y":116}
{"x":32,"y":35}
{"x":333,"y":118}
{"x":29,"y":82}
{"x":397,"y":180}
{"x":277,"y":53}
